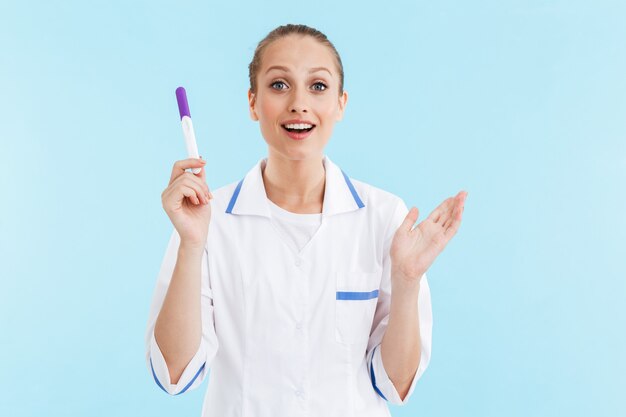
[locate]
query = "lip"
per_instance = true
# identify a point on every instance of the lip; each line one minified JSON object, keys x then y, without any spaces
{"x":294,"y":135}
{"x":286,"y":122}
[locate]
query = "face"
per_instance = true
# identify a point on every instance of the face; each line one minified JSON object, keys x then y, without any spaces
{"x":302,"y":91}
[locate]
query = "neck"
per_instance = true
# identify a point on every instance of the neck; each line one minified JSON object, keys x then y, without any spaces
{"x":295,"y":185}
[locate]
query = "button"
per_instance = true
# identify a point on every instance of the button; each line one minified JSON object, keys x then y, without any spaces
{"x":299,"y":393}
{"x":298,"y":262}
{"x":298,"y":325}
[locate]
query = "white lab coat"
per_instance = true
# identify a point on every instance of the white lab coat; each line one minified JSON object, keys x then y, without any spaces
{"x":288,"y":333}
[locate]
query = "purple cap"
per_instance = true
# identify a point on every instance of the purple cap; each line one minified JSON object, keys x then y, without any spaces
{"x":183,"y":106}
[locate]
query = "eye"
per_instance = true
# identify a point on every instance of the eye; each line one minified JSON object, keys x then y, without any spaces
{"x":277,"y":82}
{"x":321,"y":84}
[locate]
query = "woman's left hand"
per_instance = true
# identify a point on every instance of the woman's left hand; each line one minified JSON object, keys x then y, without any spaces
{"x":413,"y":250}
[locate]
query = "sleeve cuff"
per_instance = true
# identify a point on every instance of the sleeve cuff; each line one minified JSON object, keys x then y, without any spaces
{"x":384,"y":386}
{"x":192,"y":376}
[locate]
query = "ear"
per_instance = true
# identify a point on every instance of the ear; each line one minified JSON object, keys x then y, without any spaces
{"x":343,"y":100}
{"x":252,"y":103}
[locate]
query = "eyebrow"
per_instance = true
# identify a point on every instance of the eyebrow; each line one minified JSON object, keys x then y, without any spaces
{"x":280,"y":67}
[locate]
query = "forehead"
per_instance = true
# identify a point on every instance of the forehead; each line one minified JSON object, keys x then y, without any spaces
{"x":298,"y":53}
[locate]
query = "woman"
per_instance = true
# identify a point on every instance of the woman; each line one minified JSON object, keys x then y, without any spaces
{"x":303,"y":290}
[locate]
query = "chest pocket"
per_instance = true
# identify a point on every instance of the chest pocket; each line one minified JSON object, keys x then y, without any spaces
{"x":355,"y":304}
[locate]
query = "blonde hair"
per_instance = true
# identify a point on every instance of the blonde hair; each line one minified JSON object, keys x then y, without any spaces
{"x":281,"y":32}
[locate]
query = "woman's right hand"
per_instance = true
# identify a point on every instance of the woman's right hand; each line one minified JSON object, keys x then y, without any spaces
{"x":186,"y":202}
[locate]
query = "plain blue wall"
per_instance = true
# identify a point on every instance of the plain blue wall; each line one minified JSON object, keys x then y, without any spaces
{"x":521,"y":103}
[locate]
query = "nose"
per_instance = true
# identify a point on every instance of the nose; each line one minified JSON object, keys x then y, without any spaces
{"x":298,"y":102}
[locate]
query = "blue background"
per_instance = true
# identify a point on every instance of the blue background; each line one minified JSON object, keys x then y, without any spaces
{"x":521,"y":103}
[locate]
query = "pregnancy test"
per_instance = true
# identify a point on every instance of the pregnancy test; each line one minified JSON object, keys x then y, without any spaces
{"x":185,"y":119}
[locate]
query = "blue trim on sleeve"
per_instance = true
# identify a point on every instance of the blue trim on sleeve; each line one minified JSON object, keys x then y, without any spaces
{"x":193,"y":379}
{"x":353,"y":191}
{"x":373,"y":377}
{"x":155,"y":377}
{"x":233,"y":199}
{"x":186,"y":386}
{"x":356,"y":295}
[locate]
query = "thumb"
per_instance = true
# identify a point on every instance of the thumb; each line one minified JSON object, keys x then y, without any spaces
{"x":410,"y":219}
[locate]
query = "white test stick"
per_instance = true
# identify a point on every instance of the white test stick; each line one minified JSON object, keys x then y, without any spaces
{"x":188,"y":132}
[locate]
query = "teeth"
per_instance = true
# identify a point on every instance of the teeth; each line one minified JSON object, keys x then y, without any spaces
{"x":298,"y":126}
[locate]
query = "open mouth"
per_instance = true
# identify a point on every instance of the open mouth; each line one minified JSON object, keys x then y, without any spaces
{"x":305,"y":130}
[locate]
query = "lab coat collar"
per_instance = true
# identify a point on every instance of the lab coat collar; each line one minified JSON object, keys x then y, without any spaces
{"x":249,"y":196}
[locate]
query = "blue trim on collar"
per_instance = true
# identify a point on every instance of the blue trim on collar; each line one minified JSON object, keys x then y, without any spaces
{"x":233,"y":199}
{"x":353,"y":191}
{"x":355,"y":195}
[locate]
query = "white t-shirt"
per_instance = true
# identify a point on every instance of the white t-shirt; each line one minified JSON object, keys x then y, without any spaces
{"x":295,"y":227}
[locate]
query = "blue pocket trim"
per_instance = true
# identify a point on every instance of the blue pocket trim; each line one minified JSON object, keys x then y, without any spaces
{"x":356,"y":295}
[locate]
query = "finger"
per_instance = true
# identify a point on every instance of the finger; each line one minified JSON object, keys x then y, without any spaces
{"x":460,"y":204}
{"x":449,"y":218}
{"x":449,"y":215}
{"x":410,"y":219}
{"x":190,"y":178}
{"x":191,"y":181}
{"x":173,"y":196}
{"x":437,"y":213}
{"x":202,"y":175}
{"x":456,"y":222}
{"x":190,"y":193}
{"x":180,"y":166}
